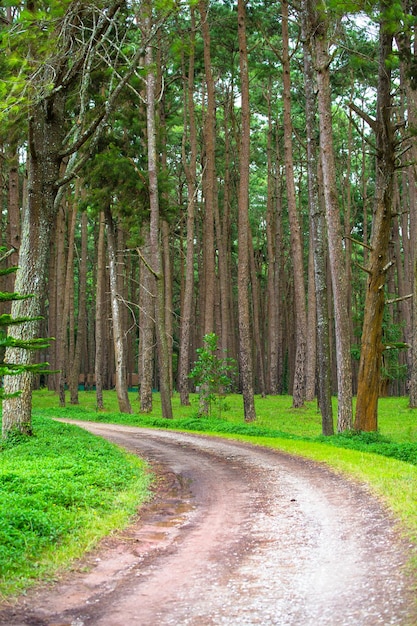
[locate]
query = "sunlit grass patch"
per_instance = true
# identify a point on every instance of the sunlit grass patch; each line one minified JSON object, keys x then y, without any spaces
{"x":60,"y":491}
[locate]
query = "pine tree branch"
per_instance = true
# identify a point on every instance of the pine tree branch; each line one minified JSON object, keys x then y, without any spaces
{"x":363,"y":268}
{"x":360,"y":243}
{"x":147,"y":265}
{"x":367,"y":118}
{"x":399,"y":299}
{"x":6,"y":255}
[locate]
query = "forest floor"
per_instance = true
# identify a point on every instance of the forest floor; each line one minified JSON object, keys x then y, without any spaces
{"x":235,"y":535}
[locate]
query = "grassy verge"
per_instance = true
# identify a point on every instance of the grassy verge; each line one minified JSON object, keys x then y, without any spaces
{"x":60,"y":492}
{"x":64,"y":489}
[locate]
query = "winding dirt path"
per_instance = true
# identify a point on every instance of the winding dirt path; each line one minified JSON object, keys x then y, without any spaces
{"x":235,"y":535}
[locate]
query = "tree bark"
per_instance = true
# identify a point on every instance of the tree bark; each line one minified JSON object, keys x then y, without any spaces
{"x":408,"y":221}
{"x":13,"y":213}
{"x":190,"y":168}
{"x":62,"y":338}
{"x":165,"y":227}
{"x":162,"y":342}
{"x":271,"y":294}
{"x":100,"y":312}
{"x":369,"y":375}
{"x":258,"y":351}
{"x":223,"y":236}
{"x":82,"y":314}
{"x":245,"y":339}
{"x":46,"y":134}
{"x":318,"y":26}
{"x":296,"y":243}
{"x":274,"y":251}
{"x":168,"y":296}
{"x":318,"y":243}
{"x":413,"y":374}
{"x":118,"y":330}
{"x":311,"y":344}
{"x":146,"y":326}
{"x":56,"y":293}
{"x":209,"y":178}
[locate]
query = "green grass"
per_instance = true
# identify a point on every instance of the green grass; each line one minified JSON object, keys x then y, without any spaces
{"x":60,"y":491}
{"x":63,"y":489}
{"x":397,"y":436}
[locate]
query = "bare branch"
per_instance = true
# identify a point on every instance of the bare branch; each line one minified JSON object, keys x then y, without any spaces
{"x":84,"y":137}
{"x":400,"y":299}
{"x":7,"y":254}
{"x":360,"y":243}
{"x":399,"y":156}
{"x":363,"y":268}
{"x":103,"y":118}
{"x":98,"y":125}
{"x":367,"y":118}
{"x":105,"y":23}
{"x":152,"y":271}
{"x":387,"y":266}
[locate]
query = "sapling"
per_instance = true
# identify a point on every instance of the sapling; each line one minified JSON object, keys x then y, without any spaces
{"x":211,"y":375}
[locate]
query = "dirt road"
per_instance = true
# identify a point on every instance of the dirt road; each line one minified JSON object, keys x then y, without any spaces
{"x":236,"y":535}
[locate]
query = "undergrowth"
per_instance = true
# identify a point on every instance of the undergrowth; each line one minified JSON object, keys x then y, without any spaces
{"x":374,"y":443}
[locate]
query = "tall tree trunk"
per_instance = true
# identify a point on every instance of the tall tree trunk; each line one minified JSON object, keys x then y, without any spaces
{"x":57,"y":293}
{"x":222,"y":229}
{"x":347,"y":223}
{"x":146,"y":325}
{"x":223,"y":234}
{"x":296,"y":242}
{"x":121,"y":270}
{"x":190,"y":168}
{"x":46,"y":133}
{"x":258,"y":352}
{"x":413,"y":373}
{"x":318,"y":26}
{"x":407,"y":45}
{"x":209,"y":179}
{"x":62,"y":338}
{"x":169,"y":296}
{"x":272,"y":296}
{"x":311,"y":344}
{"x":82,"y":314}
{"x":100,"y":312}
{"x":162,"y":342}
{"x":369,"y":375}
{"x":274,"y":242}
{"x":245,"y":339}
{"x":318,"y":242}
{"x":71,"y":311}
{"x":118,"y":330}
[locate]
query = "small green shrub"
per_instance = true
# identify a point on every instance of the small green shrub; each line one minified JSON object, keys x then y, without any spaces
{"x":211,"y":375}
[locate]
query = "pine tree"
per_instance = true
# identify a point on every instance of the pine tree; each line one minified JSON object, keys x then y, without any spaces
{"x":10,"y":369}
